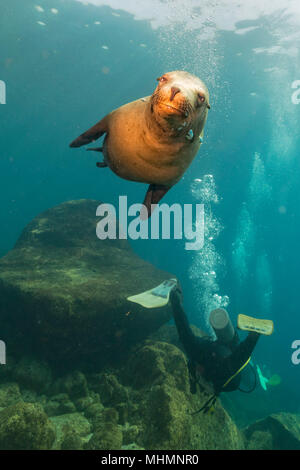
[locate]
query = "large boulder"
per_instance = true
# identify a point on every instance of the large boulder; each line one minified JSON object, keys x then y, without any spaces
{"x":279,"y":431}
{"x":150,"y":401}
{"x":166,"y":415}
{"x":63,"y":291}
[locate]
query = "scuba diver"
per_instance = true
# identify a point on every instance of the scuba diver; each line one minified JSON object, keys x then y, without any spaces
{"x":220,"y":361}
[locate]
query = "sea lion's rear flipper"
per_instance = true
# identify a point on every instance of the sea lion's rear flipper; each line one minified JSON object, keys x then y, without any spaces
{"x":154,"y":194}
{"x":91,"y":134}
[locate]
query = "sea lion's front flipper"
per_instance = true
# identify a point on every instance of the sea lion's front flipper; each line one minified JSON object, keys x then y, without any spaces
{"x":91,"y":134}
{"x":154,"y":194}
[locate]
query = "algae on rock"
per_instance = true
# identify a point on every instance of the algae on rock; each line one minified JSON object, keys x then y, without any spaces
{"x":160,"y":404}
{"x":25,"y":426}
{"x":69,"y":429}
{"x":9,"y":394}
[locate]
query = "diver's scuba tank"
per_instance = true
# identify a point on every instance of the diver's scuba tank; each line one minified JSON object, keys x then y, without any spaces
{"x":222,"y":326}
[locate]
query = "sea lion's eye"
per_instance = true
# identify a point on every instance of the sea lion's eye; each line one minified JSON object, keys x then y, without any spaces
{"x":201,"y":98}
{"x":162,"y":79}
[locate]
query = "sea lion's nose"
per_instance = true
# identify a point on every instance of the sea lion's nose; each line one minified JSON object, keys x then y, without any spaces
{"x":174,"y":91}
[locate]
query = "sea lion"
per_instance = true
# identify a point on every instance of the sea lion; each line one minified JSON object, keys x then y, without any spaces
{"x":154,"y":139}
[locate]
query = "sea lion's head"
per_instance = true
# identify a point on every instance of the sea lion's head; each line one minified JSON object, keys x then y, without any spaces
{"x":181,"y":100}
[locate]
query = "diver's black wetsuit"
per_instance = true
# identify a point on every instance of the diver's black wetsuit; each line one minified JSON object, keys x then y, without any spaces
{"x":217,"y":361}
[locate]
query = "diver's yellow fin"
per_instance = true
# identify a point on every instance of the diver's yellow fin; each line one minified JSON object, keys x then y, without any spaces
{"x":157,"y":297}
{"x":264,"y":327}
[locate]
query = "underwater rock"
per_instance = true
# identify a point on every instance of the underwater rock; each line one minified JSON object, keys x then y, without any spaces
{"x":9,"y":394}
{"x":132,"y":446}
{"x":107,"y":437}
{"x":65,"y":426}
{"x":260,"y":440}
{"x":281,"y":429}
{"x":71,"y":440}
{"x":107,"y":416}
{"x":111,"y":391}
{"x":59,"y":404}
{"x":53,"y":408}
{"x":82,"y":404}
{"x":63,"y":292}
{"x":30,"y":396}
{"x":146,"y":403}
{"x":25,"y":426}
{"x":93,"y":410}
{"x":123,"y":412}
{"x":130,"y":434}
{"x":158,"y":363}
{"x":169,"y":334}
{"x":161,"y":404}
{"x":73,"y":384}
{"x":32,"y":374}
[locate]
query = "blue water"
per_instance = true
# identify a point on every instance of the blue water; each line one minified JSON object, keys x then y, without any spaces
{"x":60,"y":80}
